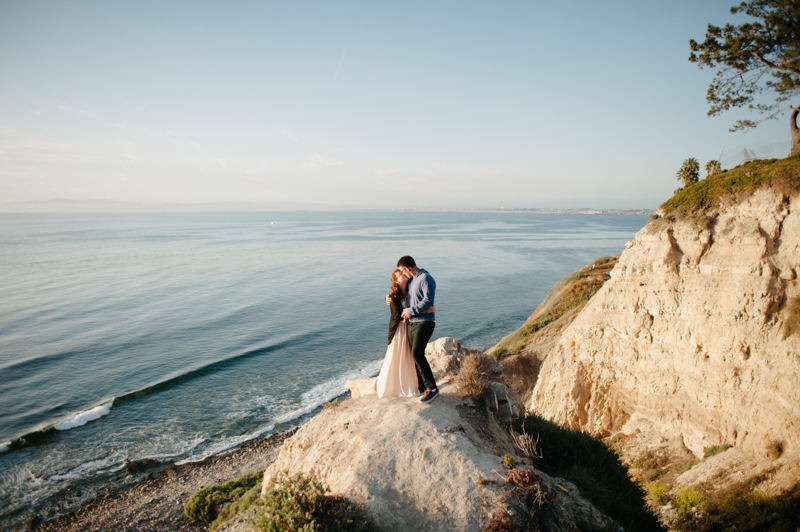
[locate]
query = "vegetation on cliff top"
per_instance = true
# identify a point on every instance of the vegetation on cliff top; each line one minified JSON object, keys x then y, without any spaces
{"x":567,"y":297}
{"x":782,"y":174}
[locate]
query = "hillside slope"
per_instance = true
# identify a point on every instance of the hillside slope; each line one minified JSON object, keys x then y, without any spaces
{"x":522,"y":352}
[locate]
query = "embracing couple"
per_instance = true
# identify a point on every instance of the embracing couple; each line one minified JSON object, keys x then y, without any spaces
{"x":405,"y":371}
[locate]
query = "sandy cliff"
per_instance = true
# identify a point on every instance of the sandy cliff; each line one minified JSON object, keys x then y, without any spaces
{"x":688,"y":336}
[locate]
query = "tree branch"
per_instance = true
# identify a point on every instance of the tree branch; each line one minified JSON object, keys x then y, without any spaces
{"x":773,"y":65}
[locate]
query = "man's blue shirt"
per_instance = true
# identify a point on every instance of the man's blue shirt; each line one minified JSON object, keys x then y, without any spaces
{"x":421,"y":292}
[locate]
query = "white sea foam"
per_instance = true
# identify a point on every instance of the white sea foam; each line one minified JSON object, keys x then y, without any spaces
{"x":5,"y":446}
{"x":82,"y":418}
{"x":112,"y":461}
{"x":329,"y":390}
{"x":225,"y":444}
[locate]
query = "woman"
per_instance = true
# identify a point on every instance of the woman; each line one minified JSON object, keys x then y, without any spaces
{"x":398,"y":376}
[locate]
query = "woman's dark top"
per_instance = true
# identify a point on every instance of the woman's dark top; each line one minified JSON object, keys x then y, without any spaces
{"x":397,"y":309}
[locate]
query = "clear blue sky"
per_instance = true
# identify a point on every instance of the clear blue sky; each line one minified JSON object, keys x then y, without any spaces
{"x":385,"y":104}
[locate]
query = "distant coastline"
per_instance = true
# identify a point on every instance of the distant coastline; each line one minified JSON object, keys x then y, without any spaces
{"x":107,"y":206}
{"x":536,"y":211}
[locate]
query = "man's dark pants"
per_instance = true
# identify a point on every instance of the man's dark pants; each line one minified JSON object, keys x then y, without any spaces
{"x":419,"y":333}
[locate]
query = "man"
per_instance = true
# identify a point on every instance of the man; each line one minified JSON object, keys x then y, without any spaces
{"x":421,"y":292}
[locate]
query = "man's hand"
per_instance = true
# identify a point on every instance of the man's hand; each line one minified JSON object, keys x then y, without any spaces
{"x":388,"y":300}
{"x":406,"y":315}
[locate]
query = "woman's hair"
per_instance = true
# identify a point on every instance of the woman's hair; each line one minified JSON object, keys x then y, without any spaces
{"x":395,"y":291}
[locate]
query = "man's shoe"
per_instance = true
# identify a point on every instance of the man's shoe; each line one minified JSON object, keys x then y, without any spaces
{"x":429,"y":396}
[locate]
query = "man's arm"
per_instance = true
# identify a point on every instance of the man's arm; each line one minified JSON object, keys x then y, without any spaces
{"x":428,"y":289}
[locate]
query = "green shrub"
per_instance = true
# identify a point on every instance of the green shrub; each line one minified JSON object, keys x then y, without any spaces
{"x":712,"y":451}
{"x":250,"y":497}
{"x":658,"y":492}
{"x":301,"y":503}
{"x":206,"y":504}
{"x":509,"y":462}
{"x":744,"y":512}
{"x":594,"y":468}
{"x":759,"y":512}
{"x":688,"y":499}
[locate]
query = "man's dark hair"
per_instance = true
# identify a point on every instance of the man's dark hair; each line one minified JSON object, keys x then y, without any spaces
{"x":406,"y":262}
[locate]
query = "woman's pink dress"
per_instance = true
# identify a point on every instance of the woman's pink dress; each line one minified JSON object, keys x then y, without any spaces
{"x":398,"y":376}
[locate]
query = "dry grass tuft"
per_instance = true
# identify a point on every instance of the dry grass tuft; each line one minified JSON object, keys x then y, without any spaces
{"x":787,"y":182}
{"x":775,"y":449}
{"x":527,"y":445}
{"x":473,"y":378}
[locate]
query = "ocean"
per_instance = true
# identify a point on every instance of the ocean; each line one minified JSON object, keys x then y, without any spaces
{"x":178,"y":336}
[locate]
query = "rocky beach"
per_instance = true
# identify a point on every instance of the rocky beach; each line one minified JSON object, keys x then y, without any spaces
{"x":156,"y":503}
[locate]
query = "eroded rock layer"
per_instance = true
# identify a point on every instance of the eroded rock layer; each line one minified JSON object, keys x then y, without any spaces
{"x":688,"y":335}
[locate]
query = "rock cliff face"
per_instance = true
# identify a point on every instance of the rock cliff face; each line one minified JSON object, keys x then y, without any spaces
{"x":688,"y":336}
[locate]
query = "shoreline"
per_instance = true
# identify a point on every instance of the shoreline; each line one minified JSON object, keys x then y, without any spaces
{"x":155,"y":502}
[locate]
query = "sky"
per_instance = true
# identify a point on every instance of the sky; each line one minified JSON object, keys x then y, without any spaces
{"x":408,"y":104}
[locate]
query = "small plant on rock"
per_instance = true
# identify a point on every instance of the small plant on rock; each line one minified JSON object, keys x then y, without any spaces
{"x":473,"y":378}
{"x":775,"y":449}
{"x":509,"y":462}
{"x":527,"y":445}
{"x":712,"y":451}
{"x":688,"y":499}
{"x":522,"y":478}
{"x":502,"y":523}
{"x":301,"y":503}
{"x":658,"y":493}
{"x":330,"y":404}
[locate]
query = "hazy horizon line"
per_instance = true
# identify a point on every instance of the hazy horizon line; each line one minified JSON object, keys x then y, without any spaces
{"x":66,"y":205}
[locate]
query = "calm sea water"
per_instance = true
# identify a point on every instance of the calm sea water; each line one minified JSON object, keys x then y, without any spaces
{"x":176,"y":336}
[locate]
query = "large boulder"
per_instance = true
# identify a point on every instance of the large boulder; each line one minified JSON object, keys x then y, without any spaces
{"x":421,"y":467}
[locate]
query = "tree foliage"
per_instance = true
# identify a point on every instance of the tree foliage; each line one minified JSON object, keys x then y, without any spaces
{"x":689,"y":172}
{"x":753,"y":58}
{"x":712,"y":167}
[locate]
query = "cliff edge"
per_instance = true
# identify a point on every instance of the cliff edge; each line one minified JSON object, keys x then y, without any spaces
{"x":689,"y":336}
